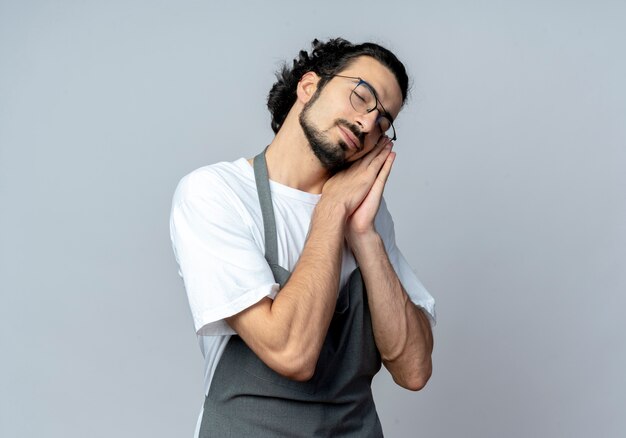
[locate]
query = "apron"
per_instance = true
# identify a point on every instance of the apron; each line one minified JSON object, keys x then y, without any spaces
{"x":249,"y":399}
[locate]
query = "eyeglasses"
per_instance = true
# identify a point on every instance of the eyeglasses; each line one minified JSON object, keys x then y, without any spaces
{"x":364,"y":100}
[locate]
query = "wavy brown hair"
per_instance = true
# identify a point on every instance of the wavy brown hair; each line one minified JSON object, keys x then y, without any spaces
{"x":326,"y":59}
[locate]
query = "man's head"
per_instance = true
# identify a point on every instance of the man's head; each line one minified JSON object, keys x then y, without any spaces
{"x":357,"y":92}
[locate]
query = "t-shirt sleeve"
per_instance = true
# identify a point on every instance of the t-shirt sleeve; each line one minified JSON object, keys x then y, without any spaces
{"x":222,"y":265}
{"x":413,"y":286}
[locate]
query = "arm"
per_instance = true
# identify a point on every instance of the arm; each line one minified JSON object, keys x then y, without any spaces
{"x":287,"y":333}
{"x":401,"y":330}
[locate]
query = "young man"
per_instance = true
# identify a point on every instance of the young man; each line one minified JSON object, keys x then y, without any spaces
{"x":295,"y":283}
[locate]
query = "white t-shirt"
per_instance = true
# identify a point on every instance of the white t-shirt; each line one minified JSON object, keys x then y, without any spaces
{"x":216,"y":228}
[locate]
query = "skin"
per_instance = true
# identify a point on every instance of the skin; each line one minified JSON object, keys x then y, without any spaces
{"x":287,"y":333}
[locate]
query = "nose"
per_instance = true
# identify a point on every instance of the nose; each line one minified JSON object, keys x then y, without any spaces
{"x":367,"y":121}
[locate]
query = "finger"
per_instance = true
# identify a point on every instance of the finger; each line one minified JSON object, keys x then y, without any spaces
{"x":379,"y":160}
{"x":386,"y":169}
{"x":382,"y":140}
{"x":382,"y":144}
{"x":378,"y":148}
{"x":383,"y":175}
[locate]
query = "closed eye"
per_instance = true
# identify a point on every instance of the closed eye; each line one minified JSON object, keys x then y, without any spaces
{"x":359,"y":96}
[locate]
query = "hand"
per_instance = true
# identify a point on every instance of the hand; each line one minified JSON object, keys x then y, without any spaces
{"x":361,"y":222}
{"x":351,"y":186}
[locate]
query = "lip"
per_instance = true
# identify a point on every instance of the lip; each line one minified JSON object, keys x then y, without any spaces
{"x":352,"y":141}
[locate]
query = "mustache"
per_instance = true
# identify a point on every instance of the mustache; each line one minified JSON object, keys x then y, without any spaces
{"x":353,"y":129}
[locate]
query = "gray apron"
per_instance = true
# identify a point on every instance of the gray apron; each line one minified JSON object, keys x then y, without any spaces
{"x":249,"y":399}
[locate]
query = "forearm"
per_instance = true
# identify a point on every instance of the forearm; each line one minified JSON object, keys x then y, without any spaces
{"x":401,"y":330}
{"x":305,"y":305}
{"x":287,"y":333}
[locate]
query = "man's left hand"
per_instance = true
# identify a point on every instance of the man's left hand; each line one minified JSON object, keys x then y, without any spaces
{"x":361,"y":222}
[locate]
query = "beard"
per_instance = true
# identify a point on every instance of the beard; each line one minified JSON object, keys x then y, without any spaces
{"x":331,"y":155}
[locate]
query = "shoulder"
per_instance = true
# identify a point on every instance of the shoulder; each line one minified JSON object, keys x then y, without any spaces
{"x":214,"y":181}
{"x":215,"y":195}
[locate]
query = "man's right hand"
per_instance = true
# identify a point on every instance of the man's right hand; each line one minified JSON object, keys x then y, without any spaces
{"x":349,"y":187}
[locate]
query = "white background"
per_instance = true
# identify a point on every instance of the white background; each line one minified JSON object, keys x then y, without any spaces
{"x":507,"y":193}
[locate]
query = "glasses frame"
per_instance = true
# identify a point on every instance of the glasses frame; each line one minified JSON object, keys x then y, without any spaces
{"x":384,"y":113}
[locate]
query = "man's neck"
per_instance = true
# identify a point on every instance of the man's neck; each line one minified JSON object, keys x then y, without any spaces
{"x":291,"y":162}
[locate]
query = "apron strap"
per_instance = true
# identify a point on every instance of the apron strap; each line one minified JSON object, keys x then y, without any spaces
{"x":267,"y":208}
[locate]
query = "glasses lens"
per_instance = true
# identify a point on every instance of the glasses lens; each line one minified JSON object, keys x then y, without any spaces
{"x":363,"y":101}
{"x":386,"y":127}
{"x":362,"y":98}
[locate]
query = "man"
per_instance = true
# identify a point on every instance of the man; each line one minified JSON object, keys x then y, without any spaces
{"x":291,"y":330}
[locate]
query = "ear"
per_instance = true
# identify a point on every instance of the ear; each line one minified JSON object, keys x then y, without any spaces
{"x":307,"y":86}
